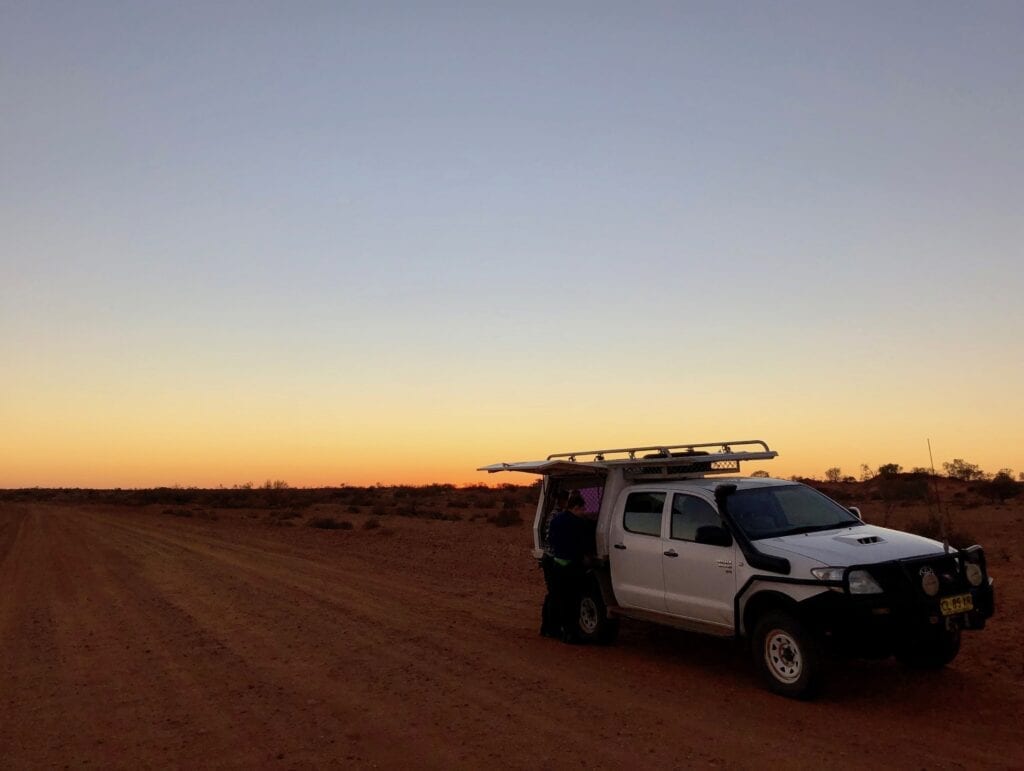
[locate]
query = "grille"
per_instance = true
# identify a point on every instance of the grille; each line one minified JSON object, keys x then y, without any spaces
{"x":906,"y":575}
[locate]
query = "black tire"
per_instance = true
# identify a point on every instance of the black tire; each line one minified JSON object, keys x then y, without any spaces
{"x":787,"y":655}
{"x":592,"y":622}
{"x":933,"y":650}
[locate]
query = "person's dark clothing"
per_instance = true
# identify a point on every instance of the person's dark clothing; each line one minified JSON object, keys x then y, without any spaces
{"x":571,"y":538}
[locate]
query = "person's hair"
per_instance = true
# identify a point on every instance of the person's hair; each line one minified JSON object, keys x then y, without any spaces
{"x":575,"y":500}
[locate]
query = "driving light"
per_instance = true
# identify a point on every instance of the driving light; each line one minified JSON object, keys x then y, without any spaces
{"x":861,"y":582}
{"x":828,"y":574}
{"x":929,"y":582}
{"x":973,"y":572}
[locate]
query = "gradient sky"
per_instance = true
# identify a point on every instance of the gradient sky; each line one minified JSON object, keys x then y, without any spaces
{"x":371,"y":242}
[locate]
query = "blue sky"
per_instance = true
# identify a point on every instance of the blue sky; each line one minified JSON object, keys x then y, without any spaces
{"x":268,"y":239}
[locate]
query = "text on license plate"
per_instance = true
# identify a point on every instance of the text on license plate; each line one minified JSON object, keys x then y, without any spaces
{"x":958,"y":603}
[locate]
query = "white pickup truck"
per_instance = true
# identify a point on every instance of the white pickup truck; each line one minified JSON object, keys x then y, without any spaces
{"x":772,"y":561}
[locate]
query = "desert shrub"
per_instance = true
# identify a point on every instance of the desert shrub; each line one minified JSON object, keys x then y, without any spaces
{"x":379,"y":510}
{"x":904,"y":489}
{"x":455,"y":503}
{"x":445,"y":517}
{"x":506,"y":518}
{"x":330,"y":523}
{"x":1001,"y":487}
{"x":178,"y":512}
{"x":415,"y":512}
{"x":353,"y":509}
{"x":522,"y":493}
{"x":961,"y":469}
{"x":931,"y":527}
{"x":371,"y":524}
{"x":285,"y":514}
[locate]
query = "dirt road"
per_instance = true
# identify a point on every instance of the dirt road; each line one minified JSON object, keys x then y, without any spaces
{"x":135,"y":638}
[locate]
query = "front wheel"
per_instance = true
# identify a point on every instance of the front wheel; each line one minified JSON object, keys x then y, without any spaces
{"x":931,"y":651}
{"x":787,"y":655}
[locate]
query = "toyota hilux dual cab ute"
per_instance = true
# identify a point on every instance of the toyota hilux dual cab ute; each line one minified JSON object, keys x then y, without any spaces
{"x":774,"y":562}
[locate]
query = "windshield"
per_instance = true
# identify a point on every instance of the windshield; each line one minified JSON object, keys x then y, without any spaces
{"x":768,"y":512}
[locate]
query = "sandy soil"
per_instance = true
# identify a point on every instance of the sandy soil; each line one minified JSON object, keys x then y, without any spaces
{"x":134,"y":638}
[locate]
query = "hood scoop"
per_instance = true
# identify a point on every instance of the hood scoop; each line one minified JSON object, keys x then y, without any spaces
{"x":862,"y":540}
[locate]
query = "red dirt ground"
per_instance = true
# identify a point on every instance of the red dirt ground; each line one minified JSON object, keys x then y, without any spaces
{"x":135,"y":638}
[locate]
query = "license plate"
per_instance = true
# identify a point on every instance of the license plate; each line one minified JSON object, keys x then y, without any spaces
{"x":959,"y":603}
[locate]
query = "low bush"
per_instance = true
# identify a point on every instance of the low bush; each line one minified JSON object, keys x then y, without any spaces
{"x":931,"y":527}
{"x":330,"y":523}
{"x":506,"y":518}
{"x":905,"y":489}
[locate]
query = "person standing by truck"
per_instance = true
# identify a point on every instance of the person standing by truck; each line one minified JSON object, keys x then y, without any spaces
{"x":550,"y":616}
{"x":571,"y":538}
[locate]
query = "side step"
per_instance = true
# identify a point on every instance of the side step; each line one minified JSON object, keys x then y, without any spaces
{"x":677,"y":622}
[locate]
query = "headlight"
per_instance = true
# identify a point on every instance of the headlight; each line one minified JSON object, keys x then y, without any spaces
{"x":828,"y":574}
{"x":973,"y":572}
{"x":861,"y":582}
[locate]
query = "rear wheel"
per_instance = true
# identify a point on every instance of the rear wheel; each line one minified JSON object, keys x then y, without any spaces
{"x":933,"y":650}
{"x":593,"y":624}
{"x":787,"y":655}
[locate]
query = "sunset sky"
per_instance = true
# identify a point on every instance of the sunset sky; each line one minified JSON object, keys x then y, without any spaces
{"x":333,"y":242}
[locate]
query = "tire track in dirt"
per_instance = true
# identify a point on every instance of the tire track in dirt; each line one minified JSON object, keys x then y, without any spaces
{"x":541,"y":686}
{"x":183,"y":642}
{"x":395,"y":658}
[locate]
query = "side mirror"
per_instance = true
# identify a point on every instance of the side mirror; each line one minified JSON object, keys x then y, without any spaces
{"x":856,"y":513}
{"x":714,"y":535}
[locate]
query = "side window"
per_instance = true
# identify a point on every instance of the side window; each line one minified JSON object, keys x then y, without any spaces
{"x":690,"y":513}
{"x":643,"y":513}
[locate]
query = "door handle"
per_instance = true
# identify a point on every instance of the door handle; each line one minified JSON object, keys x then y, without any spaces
{"x":671,"y":553}
{"x":620,"y":546}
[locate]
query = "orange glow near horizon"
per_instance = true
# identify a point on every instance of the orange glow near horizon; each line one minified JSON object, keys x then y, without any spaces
{"x":199,"y":454}
{"x":173,"y":429}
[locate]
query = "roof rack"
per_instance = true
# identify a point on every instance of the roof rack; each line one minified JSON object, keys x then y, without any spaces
{"x":656,"y":461}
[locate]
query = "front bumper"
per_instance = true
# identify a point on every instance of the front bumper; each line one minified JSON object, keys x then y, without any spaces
{"x":878,"y":624}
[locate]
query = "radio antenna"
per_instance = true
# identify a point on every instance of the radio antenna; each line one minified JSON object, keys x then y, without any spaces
{"x":943,"y":529}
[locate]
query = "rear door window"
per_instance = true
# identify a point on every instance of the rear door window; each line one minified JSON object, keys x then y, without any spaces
{"x":643,"y":513}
